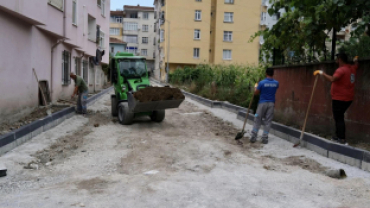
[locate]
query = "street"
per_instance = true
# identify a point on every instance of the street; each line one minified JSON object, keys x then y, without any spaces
{"x":189,"y":160}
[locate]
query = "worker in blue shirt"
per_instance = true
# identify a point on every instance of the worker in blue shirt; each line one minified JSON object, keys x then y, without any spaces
{"x":266,"y":89}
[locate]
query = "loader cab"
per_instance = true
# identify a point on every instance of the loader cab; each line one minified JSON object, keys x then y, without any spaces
{"x":128,"y":74}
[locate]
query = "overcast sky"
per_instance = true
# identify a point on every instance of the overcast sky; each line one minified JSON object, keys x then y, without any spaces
{"x":118,"y":4}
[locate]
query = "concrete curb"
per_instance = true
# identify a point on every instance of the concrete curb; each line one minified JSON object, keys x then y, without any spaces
{"x":342,"y":153}
{"x":15,"y":138}
{"x":345,"y":154}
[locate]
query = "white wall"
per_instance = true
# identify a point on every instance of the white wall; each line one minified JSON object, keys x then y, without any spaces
{"x":29,"y":29}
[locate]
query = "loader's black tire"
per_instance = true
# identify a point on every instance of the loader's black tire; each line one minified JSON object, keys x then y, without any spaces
{"x":125,"y":117}
{"x":114,"y":110}
{"x":158,"y":116}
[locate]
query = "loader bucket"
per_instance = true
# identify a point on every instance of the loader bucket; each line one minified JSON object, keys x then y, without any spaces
{"x":138,"y":107}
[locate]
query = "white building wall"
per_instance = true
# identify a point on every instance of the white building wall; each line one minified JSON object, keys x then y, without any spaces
{"x":29,"y":29}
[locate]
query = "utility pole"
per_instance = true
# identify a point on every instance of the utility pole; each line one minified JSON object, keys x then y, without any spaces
{"x":168,"y":52}
{"x":333,"y":44}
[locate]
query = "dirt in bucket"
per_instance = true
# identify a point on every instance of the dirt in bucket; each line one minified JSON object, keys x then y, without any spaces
{"x":158,"y":93}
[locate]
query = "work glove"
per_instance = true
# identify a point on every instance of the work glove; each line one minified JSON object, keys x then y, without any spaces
{"x":255,"y":86}
{"x":355,"y":59}
{"x":318,"y":72}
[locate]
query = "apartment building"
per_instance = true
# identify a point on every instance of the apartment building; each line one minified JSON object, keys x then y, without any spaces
{"x":267,"y":20}
{"x":138,"y":32}
{"x":54,"y":37}
{"x":116,"y":43}
{"x":207,"y":31}
{"x":116,"y":26}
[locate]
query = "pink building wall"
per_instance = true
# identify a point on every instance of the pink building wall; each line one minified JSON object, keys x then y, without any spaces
{"x":29,"y":29}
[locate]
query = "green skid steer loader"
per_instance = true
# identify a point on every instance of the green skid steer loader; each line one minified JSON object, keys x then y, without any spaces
{"x":128,"y":74}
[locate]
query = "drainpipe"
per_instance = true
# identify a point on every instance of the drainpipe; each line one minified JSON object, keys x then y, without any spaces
{"x":64,"y":19}
{"x":81,"y":59}
{"x":51,"y":72}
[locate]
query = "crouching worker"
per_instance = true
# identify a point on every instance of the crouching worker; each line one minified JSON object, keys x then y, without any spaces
{"x":266,"y":89}
{"x":82,"y":91}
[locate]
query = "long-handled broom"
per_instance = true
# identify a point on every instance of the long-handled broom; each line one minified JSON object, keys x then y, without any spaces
{"x":308,"y":111}
{"x":240,"y":135}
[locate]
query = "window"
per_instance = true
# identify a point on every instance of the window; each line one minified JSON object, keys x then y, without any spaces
{"x":196,"y":34}
{"x":102,"y":39}
{"x":275,"y":16}
{"x":92,"y":28}
{"x":99,"y":2}
{"x":145,"y":15}
{"x":144,"y":39}
{"x":78,"y":66}
{"x":229,"y":17}
{"x":161,"y":18}
{"x":155,"y":15}
{"x":118,"y":19}
{"x":196,"y":53}
{"x":162,"y":36}
{"x":59,"y":4}
{"x":130,"y":26}
{"x":227,"y":55}
{"x":263,"y":16}
{"x":144,"y":52}
{"x":130,"y":38}
{"x":133,"y":15}
{"x":103,"y":8}
{"x":155,"y":27}
{"x":85,"y":70}
{"x":114,"y":31}
{"x":131,"y":50}
{"x":198,"y":0}
{"x":74,"y":12}
{"x":112,"y":49}
{"x":229,"y":1}
{"x":66,"y":59}
{"x":145,"y":28}
{"x":198,"y":15}
{"x":163,"y":2}
{"x":228,"y":36}
{"x":154,"y":41}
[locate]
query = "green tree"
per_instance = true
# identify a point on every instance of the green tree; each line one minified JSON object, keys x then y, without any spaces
{"x":302,"y":29}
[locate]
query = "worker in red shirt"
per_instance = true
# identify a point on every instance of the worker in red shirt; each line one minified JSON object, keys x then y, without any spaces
{"x":342,"y":92}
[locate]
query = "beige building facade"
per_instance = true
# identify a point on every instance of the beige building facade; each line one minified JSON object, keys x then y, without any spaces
{"x":206,"y":31}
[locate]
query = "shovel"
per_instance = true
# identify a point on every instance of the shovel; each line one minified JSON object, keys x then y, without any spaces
{"x":308,"y":111}
{"x":48,"y":111}
{"x":241,"y":134}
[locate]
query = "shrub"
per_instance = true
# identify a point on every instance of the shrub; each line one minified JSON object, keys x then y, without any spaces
{"x":234,"y":83}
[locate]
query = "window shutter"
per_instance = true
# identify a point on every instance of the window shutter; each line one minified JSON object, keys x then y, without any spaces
{"x":97,"y":34}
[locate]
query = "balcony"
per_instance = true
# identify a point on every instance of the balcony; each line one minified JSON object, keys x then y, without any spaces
{"x":161,"y":21}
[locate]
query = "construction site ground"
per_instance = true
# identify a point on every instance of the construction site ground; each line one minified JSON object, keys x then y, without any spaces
{"x":189,"y":160}
{"x":35,"y":114}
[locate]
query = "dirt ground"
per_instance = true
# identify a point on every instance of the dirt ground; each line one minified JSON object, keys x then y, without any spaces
{"x":36,"y":114}
{"x":189,"y":160}
{"x":158,"y":93}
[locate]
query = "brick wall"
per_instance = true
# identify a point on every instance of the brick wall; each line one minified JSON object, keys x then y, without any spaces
{"x":296,"y":83}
